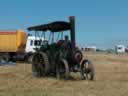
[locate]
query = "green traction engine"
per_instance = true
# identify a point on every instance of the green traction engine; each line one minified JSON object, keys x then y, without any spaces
{"x":58,"y":54}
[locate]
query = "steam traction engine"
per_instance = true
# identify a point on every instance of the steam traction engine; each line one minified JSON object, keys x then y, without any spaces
{"x":59,"y":57}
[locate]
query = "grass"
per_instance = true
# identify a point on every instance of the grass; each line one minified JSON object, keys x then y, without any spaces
{"x":111,"y":80}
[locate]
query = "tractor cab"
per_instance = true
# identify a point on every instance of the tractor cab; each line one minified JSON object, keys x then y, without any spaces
{"x":57,"y":53}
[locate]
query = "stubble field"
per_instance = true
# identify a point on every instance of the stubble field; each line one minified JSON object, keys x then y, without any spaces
{"x":111,"y":79}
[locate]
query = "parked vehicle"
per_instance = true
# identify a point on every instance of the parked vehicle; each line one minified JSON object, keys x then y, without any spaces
{"x":120,"y":49}
{"x":16,"y":45}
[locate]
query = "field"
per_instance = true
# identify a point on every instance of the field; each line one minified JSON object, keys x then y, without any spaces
{"x":111,"y":80}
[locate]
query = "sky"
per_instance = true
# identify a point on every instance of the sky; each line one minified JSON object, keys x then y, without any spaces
{"x":101,"y":23}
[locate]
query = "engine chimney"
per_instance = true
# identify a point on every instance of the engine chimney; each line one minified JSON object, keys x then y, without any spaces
{"x":72,"y":30}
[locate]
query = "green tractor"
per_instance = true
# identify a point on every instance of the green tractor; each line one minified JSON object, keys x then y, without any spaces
{"x":59,"y":57}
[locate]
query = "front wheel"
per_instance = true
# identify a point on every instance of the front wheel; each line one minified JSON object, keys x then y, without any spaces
{"x":87,"y":70}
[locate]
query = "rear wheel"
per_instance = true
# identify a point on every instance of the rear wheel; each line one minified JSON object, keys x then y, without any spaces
{"x":62,"y":69}
{"x":87,"y":70}
{"x":40,"y":64}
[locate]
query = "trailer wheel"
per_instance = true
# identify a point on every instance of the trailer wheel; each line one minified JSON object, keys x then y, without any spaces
{"x":40,"y":64}
{"x":30,"y":59}
{"x":4,"y":58}
{"x":87,"y":70}
{"x":62,"y":69}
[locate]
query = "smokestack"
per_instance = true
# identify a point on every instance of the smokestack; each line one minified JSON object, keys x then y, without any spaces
{"x":72,"y":27}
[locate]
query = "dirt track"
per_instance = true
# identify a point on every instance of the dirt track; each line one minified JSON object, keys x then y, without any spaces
{"x":111,"y":80}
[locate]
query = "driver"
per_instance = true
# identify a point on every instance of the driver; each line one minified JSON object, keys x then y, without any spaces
{"x":67,"y":43}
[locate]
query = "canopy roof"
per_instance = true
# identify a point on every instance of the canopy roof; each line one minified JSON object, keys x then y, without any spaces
{"x":56,"y":26}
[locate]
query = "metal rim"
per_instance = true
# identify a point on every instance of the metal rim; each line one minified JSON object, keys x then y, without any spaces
{"x":40,"y":64}
{"x":62,"y":69}
{"x":4,"y":58}
{"x":87,"y":70}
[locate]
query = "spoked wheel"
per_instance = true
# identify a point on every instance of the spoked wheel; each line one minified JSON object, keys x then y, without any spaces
{"x":62,"y":69}
{"x":87,"y":70}
{"x":40,"y":64}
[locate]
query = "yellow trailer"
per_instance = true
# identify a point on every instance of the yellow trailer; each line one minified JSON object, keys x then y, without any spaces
{"x":12,"y":44}
{"x":12,"y":41}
